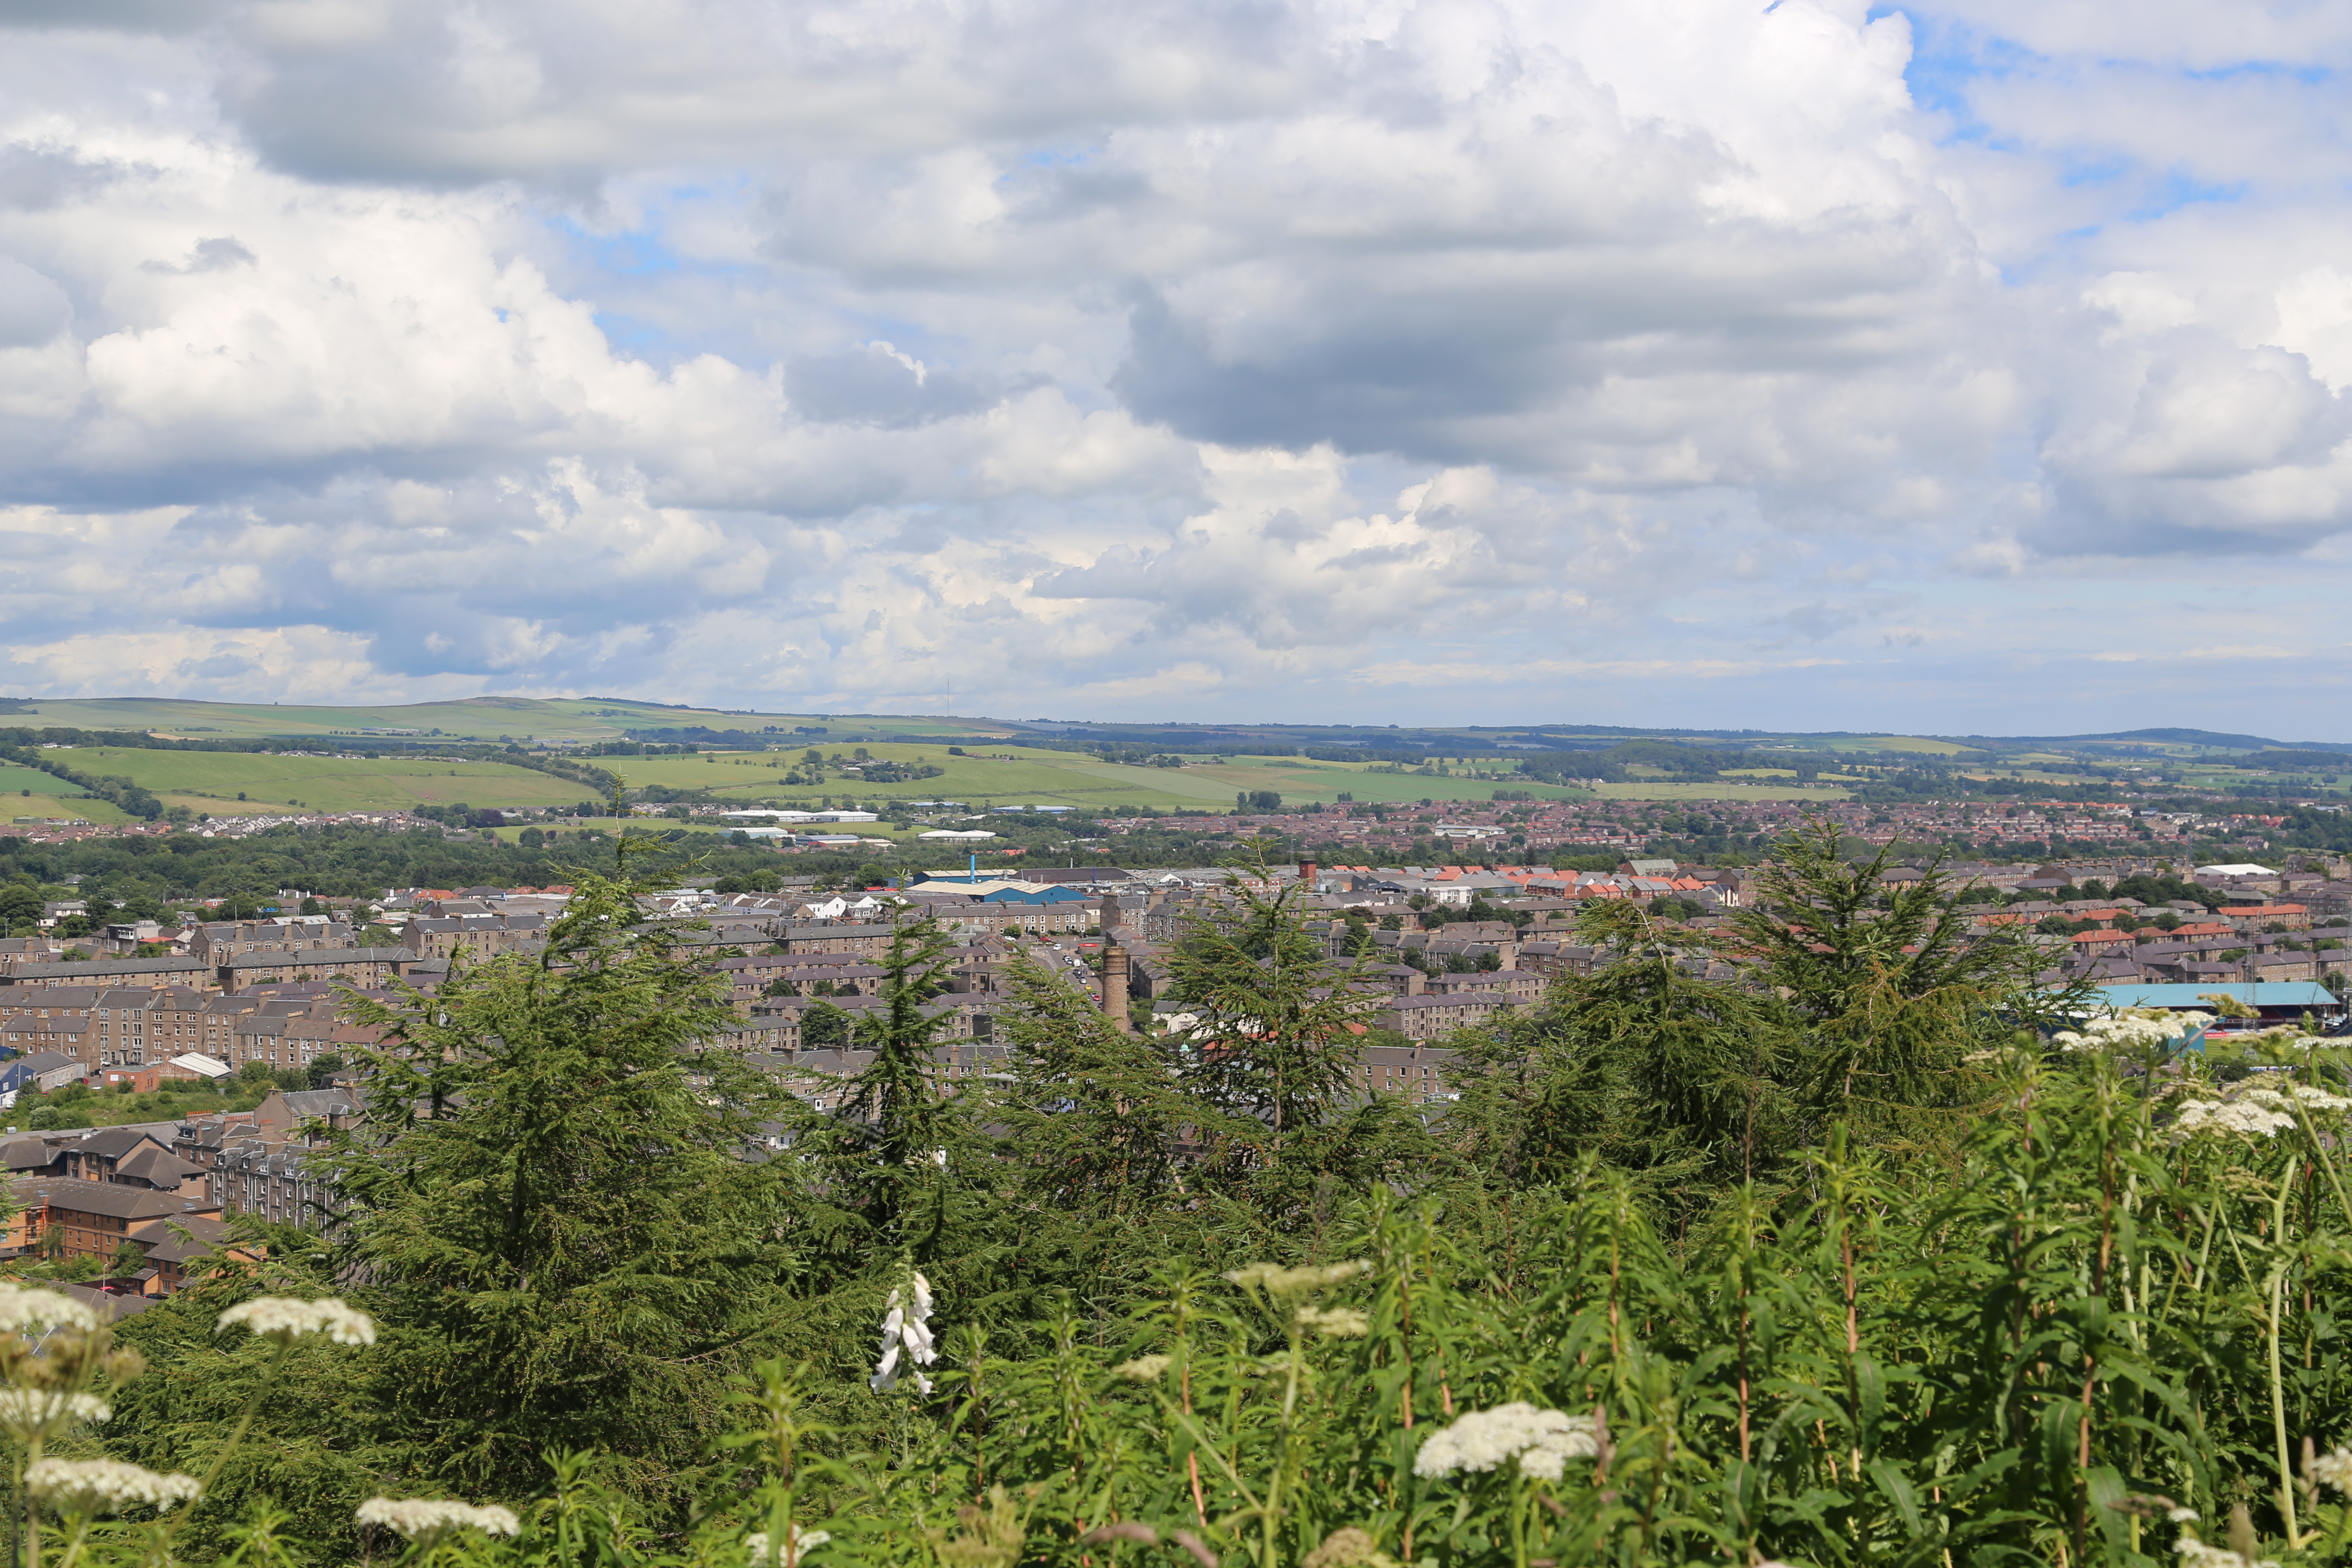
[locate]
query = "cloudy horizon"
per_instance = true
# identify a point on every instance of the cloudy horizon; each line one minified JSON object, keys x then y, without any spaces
{"x":1967,"y":367}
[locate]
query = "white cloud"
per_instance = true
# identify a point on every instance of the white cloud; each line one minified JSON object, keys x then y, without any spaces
{"x":1166,"y":357}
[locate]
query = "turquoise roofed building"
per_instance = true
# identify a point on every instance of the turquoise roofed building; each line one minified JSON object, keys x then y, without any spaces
{"x":2275,"y":1001}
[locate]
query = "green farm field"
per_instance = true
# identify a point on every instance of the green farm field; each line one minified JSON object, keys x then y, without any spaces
{"x":211,"y":781}
{"x":1896,"y":744}
{"x":28,"y":792}
{"x":1015,"y":775}
{"x":15,"y":780}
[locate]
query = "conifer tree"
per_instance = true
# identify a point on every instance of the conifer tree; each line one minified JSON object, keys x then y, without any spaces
{"x":548,"y":1201}
{"x":896,"y":1128}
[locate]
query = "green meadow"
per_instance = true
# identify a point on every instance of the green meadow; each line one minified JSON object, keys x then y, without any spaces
{"x":28,"y":792}
{"x":211,"y":781}
{"x":988,"y":774}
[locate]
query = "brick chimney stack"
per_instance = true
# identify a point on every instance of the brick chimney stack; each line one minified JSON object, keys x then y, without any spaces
{"x":1114,"y":985}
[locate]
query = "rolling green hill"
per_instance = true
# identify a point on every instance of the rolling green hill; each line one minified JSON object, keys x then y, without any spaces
{"x":524,"y":719}
{"x":1040,"y":761}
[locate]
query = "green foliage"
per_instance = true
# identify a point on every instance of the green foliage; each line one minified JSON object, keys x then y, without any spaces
{"x":824,"y":1026}
{"x":553,"y":1216}
{"x":2087,"y":1326}
{"x":1840,"y":1269}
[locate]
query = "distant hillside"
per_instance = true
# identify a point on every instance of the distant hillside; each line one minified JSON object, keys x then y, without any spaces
{"x":570,"y":720}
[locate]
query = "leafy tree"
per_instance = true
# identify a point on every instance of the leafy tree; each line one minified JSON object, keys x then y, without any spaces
{"x":825,"y":1025}
{"x":20,"y":903}
{"x":322,"y":1069}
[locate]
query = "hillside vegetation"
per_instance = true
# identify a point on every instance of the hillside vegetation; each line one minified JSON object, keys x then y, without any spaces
{"x":1855,"y":1268}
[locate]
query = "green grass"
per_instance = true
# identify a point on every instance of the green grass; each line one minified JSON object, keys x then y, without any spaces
{"x":1014,"y":776}
{"x":15,"y":780}
{"x":46,"y":797}
{"x":210,"y":780}
{"x":107,"y":1108}
{"x":994,"y":772}
{"x":1898,"y":743}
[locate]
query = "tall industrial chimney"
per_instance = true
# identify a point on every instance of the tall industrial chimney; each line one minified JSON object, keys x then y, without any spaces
{"x":1113,"y":986}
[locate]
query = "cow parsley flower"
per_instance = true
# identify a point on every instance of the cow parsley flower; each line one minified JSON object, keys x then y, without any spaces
{"x":1276,"y":1280}
{"x":908,"y":1330}
{"x":425,"y":1518}
{"x":2258,"y":1110}
{"x":25,"y":1311}
{"x":1349,"y":1547}
{"x":2195,"y":1553}
{"x":1543,"y":1441}
{"x":105,"y":1486}
{"x":2131,"y":1028}
{"x":2333,"y":1469}
{"x":1143,"y":1368}
{"x":284,"y":1319}
{"x":801,"y":1541}
{"x":2242,"y":1117}
{"x":1339,"y":1322}
{"x":29,"y":1413}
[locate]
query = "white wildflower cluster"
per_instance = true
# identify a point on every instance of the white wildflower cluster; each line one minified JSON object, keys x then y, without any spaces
{"x":2131,"y":1028}
{"x":105,"y":1486}
{"x":1349,"y":1547}
{"x":1543,"y":1441}
{"x":283,"y":1319}
{"x":2257,"y":1110}
{"x":1276,"y":1280}
{"x":801,"y":1542}
{"x":28,"y":1311}
{"x":28,"y":1411}
{"x":1337,"y":1322}
{"x":2333,"y":1469}
{"x":906,"y":1330}
{"x":2283,"y":1036}
{"x":1143,"y":1368}
{"x":2195,"y":1553}
{"x":426,"y":1519}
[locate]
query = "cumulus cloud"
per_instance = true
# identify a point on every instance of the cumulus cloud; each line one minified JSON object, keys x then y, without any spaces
{"x":1696,"y":361}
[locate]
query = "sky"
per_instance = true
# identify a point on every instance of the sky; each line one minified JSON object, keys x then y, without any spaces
{"x":1972,"y":367}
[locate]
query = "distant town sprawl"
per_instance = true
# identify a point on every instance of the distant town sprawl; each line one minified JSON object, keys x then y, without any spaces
{"x":172,"y":1059}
